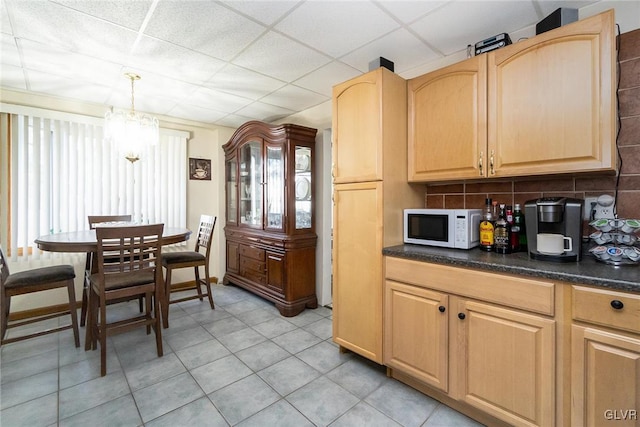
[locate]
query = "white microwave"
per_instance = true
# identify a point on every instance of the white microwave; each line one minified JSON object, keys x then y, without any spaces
{"x":448,"y":228}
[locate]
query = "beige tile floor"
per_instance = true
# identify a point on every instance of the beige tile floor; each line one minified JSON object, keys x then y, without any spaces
{"x":241,"y":364}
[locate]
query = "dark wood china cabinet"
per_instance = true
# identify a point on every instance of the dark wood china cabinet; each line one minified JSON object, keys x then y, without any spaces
{"x":270,"y":226}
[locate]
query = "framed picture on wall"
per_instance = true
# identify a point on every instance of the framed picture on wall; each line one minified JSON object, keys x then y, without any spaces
{"x":200,"y":169}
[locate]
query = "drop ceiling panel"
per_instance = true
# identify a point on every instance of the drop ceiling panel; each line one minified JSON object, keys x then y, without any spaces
{"x":409,"y":11}
{"x":129,"y":14}
{"x":336,"y":28}
{"x":480,"y":20}
{"x":324,"y":78}
{"x":280,"y":57}
{"x":9,"y":50}
{"x":47,"y":59}
{"x":262,"y":111}
{"x":196,"y":113}
{"x":205,"y":27}
{"x":243,"y":82}
{"x":414,"y":52}
{"x":173,"y":61}
{"x":61,"y":27}
{"x":66,"y":87}
{"x":12,"y":77}
{"x":266,"y":12}
{"x":294,"y":98}
{"x":216,"y":100}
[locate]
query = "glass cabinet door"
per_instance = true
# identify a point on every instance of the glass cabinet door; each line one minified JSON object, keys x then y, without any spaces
{"x":275,"y":188}
{"x":251,"y":184}
{"x":232,"y":191}
{"x":303,"y":187}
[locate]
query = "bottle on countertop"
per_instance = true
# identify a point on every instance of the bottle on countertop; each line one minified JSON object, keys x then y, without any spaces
{"x":487,"y":228}
{"x":514,"y":238}
{"x":502,"y":233}
{"x":518,"y":220}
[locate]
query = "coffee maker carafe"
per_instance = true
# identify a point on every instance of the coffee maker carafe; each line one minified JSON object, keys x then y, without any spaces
{"x":554,"y":228}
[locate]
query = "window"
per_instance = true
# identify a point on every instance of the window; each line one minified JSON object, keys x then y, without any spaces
{"x":60,"y":170}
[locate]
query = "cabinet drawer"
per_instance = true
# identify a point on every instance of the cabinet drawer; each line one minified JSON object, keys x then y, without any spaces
{"x":254,"y":276}
{"x":598,"y":306}
{"x":252,"y":264}
{"x":252,"y":252}
{"x":505,"y":289}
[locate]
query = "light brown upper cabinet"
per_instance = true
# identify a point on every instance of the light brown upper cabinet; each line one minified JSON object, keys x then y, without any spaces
{"x":545,"y":105}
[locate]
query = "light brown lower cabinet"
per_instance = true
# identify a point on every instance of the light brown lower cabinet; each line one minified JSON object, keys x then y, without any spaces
{"x":605,"y":358}
{"x":493,"y":355}
{"x":513,"y":350}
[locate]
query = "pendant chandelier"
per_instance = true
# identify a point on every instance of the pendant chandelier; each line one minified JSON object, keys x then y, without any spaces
{"x":131,"y":132}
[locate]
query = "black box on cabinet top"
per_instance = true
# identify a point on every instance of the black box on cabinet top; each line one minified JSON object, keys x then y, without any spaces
{"x":559,"y":17}
{"x":380,"y":62}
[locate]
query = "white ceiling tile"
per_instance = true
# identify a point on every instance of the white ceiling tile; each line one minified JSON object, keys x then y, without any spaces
{"x":58,"y":26}
{"x":149,"y":86}
{"x":294,"y":98}
{"x":129,"y":14}
{"x":414,"y":52}
{"x":196,"y":113}
{"x":410,"y":10}
{"x":203,"y":26}
{"x":233,"y":121}
{"x":280,"y":57}
{"x":9,"y":50}
{"x":173,"y":61}
{"x":337,"y":27}
{"x":479,"y":19}
{"x":5,"y":24}
{"x":217,"y":100}
{"x":265,"y":112}
{"x":66,"y":87}
{"x":265,"y":11}
{"x":53,"y":60}
{"x":323,"y":79}
{"x":243,"y":82}
{"x":12,"y":77}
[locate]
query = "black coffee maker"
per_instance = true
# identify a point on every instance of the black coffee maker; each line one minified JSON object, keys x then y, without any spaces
{"x":554,"y":217}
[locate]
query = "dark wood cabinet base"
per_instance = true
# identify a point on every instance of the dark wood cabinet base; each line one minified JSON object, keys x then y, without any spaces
{"x":286,"y":308}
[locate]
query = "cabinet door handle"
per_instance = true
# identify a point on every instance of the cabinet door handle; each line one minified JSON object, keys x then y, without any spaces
{"x":493,"y":171}
{"x":480,"y":163}
{"x":461,"y":316}
{"x":442,"y":308}
{"x":617,"y":304}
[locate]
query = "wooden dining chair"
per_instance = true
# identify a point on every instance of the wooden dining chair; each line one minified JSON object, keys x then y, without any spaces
{"x":190,"y":259}
{"x":31,"y":281}
{"x":93,"y":220}
{"x":137,"y":272}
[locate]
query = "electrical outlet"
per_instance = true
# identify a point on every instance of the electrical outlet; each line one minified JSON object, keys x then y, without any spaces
{"x":589,"y":207}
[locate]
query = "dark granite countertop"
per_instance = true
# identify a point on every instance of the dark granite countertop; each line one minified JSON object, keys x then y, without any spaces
{"x":587,"y":271}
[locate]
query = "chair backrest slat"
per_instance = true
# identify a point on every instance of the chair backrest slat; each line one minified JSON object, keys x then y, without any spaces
{"x":97,"y":219}
{"x":122,"y":250}
{"x":205,"y":233}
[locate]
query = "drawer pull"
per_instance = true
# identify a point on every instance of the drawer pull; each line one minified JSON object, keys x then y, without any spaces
{"x":461,"y":316}
{"x":617,"y":304}
{"x":442,"y":308}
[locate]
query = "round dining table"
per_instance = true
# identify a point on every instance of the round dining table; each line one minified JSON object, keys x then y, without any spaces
{"x":85,"y":240}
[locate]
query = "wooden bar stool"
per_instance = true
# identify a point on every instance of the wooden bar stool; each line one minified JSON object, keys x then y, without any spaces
{"x":194,"y":259}
{"x":36,"y":280}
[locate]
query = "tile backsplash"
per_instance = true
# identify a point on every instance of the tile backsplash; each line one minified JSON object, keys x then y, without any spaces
{"x":473,"y":194}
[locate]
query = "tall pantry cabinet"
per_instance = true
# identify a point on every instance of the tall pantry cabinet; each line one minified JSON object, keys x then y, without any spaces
{"x":370,"y":193}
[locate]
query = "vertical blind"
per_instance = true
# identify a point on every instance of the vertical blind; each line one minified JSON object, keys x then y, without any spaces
{"x":62,"y":170}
